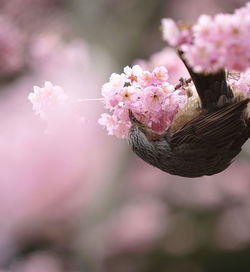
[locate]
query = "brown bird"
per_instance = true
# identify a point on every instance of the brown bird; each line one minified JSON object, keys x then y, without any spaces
{"x":206,"y":134}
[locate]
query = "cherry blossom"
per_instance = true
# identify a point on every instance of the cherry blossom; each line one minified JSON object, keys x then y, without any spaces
{"x":168,"y":58}
{"x":149,"y":95}
{"x":170,"y":31}
{"x":213,"y":43}
{"x":242,"y":83}
{"x":47,"y":99}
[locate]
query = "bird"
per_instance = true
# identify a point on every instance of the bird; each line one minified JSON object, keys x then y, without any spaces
{"x":205,"y":135}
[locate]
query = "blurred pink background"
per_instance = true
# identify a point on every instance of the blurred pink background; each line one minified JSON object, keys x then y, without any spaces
{"x":77,"y":199}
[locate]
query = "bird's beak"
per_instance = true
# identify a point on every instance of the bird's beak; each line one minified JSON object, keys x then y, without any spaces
{"x":132,"y":118}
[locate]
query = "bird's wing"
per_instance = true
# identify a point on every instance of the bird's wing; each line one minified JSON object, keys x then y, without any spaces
{"x":216,"y":129}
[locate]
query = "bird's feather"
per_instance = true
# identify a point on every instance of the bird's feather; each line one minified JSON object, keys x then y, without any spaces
{"x":219,"y":128}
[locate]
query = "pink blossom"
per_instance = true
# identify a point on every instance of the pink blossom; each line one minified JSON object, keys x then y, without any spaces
{"x":146,"y":79}
{"x":121,"y":129}
{"x":175,"y":35}
{"x":153,"y":98}
{"x":108,"y":121}
{"x":133,"y":73}
{"x":202,"y":28}
{"x":201,"y":56}
{"x":111,"y":89}
{"x":48,"y":99}
{"x":146,"y":95}
{"x":173,"y":103}
{"x":168,"y":58}
{"x":117,"y":81}
{"x":161,"y":74}
{"x":170,"y":31}
{"x":241,"y":84}
{"x":214,"y":43}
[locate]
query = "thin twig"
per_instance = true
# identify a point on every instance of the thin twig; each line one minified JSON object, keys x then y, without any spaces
{"x":90,"y":99}
{"x":183,"y":82}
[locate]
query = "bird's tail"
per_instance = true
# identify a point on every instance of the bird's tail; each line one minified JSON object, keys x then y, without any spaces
{"x":212,"y":88}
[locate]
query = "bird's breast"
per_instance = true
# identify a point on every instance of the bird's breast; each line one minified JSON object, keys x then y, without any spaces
{"x":190,"y":110}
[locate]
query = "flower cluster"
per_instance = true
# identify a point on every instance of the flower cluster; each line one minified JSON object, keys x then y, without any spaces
{"x":152,"y":99}
{"x":47,"y":100}
{"x":168,"y":58}
{"x":214,"y":43}
{"x":175,"y":34}
{"x":241,"y":82}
